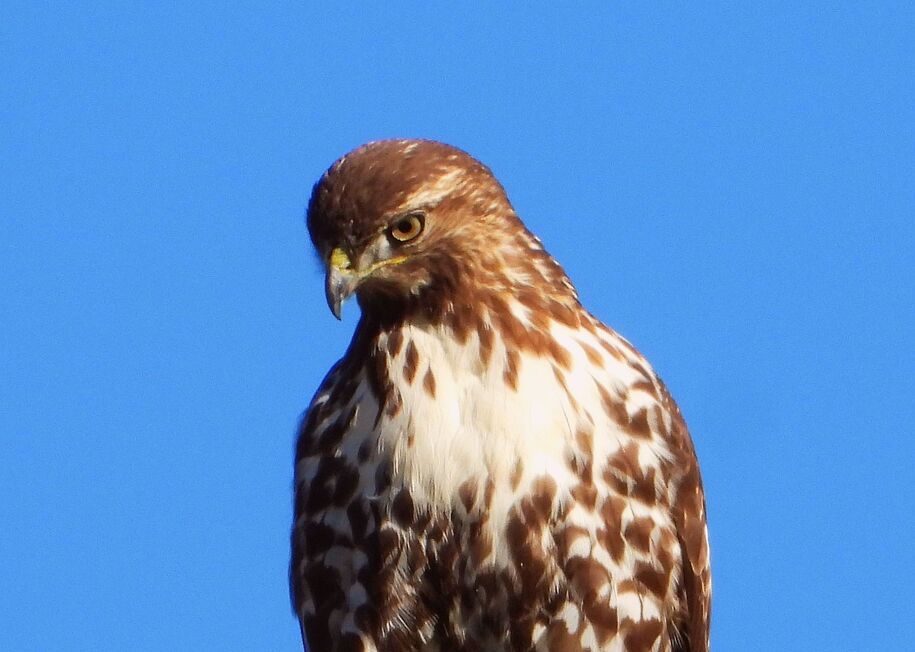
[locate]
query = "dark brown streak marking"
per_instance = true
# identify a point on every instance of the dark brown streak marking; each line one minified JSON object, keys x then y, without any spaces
{"x":512,"y":361}
{"x":411,"y":361}
{"x":485,"y":336}
{"x":429,"y":383}
{"x":395,"y":342}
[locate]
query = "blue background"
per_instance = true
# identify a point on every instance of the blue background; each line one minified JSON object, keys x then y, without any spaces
{"x":731,"y":188}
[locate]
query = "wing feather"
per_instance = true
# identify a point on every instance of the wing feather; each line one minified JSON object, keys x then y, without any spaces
{"x":692,"y":532}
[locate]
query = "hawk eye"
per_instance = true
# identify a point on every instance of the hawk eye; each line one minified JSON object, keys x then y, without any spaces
{"x":407,"y":228}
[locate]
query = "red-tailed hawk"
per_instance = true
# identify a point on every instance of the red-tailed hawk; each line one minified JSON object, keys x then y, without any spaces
{"x":488,"y":467}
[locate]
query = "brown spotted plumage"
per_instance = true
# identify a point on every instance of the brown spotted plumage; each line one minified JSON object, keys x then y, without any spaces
{"x":488,"y":467}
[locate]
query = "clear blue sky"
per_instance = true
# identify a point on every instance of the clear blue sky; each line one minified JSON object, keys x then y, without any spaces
{"x":731,"y":188}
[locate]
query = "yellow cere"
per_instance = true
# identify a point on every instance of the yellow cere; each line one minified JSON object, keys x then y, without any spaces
{"x":339,"y":259}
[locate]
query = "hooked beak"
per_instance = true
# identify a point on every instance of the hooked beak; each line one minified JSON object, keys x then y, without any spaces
{"x":343,"y":279}
{"x":340,"y":282}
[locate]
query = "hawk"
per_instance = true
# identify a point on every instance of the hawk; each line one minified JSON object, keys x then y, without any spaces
{"x":488,"y":467}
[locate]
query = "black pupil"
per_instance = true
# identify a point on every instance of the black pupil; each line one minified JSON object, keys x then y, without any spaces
{"x":406,"y":226}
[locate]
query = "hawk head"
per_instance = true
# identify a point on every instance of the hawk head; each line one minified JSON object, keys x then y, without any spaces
{"x":406,"y":223}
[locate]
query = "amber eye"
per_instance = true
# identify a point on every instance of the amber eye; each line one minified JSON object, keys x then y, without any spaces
{"x":406,"y":228}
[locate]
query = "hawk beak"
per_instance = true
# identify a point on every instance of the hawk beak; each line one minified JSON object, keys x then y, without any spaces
{"x":340,"y":282}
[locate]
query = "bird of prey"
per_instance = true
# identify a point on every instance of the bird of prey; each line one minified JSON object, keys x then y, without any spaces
{"x":488,"y":467}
